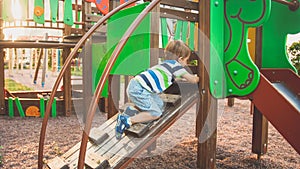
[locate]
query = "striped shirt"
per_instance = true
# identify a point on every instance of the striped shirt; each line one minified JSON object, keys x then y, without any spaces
{"x":159,"y":77}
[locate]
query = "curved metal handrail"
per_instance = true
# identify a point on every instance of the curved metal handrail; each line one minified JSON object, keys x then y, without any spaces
{"x":63,"y":70}
{"x":99,"y":88}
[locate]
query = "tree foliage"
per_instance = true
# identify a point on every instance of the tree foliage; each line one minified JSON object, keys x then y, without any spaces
{"x":294,"y":50}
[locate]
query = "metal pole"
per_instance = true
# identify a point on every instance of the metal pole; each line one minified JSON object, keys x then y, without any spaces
{"x":293,"y":5}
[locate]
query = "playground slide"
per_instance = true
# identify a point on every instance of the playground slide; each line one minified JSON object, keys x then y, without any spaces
{"x":278,"y":99}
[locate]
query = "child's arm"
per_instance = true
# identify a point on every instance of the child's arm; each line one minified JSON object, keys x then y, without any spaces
{"x":191,"y":78}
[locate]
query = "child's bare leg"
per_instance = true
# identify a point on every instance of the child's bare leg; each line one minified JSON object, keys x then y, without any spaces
{"x":143,"y":117}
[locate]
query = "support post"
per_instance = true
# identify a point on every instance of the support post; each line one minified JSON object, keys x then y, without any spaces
{"x":206,"y":122}
{"x":260,"y":123}
{"x":259,"y":134}
{"x":2,"y":86}
{"x":230,"y":102}
{"x":2,"y":55}
{"x":87,"y":77}
{"x":113,"y":95}
{"x":154,"y":44}
{"x":67,"y":76}
{"x":113,"y":83}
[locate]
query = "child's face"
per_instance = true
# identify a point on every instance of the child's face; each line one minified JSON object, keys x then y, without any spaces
{"x":183,"y":61}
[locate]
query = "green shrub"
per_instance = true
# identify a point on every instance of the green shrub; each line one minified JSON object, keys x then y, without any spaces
{"x":294,"y":50}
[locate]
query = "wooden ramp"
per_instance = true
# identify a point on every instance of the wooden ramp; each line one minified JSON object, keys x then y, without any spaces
{"x":105,"y":151}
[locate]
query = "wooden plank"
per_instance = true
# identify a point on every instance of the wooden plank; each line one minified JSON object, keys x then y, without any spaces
{"x":117,"y":152}
{"x":181,"y":4}
{"x":71,"y":151}
{"x":98,"y":136}
{"x":92,"y":18}
{"x":33,"y":44}
{"x":115,"y":146}
{"x":72,"y":155}
{"x":73,"y":159}
{"x":135,"y":146}
{"x":33,"y":94}
{"x":69,"y":156}
{"x":182,"y":15}
{"x":170,"y":98}
{"x":57,"y":163}
{"x":138,"y":130}
{"x":95,"y":161}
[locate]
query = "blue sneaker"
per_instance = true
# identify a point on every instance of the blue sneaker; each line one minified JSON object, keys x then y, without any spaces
{"x":131,"y":111}
{"x":122,"y":124}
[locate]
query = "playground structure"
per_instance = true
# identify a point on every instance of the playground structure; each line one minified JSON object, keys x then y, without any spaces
{"x":40,"y":48}
{"x":241,"y":77}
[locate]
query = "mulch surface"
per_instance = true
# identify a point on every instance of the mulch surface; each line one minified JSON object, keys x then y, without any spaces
{"x":176,"y":148}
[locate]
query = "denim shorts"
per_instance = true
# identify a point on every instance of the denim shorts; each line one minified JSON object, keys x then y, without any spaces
{"x":143,"y":99}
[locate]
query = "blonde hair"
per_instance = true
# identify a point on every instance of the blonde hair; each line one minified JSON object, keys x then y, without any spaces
{"x":176,"y":49}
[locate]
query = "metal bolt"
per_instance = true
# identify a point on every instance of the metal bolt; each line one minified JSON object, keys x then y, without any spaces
{"x":235,"y":72}
{"x":230,"y":90}
{"x":215,"y":82}
{"x":216,"y":3}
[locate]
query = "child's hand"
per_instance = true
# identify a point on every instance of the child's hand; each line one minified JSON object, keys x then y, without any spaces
{"x":191,"y":78}
{"x":180,"y":80}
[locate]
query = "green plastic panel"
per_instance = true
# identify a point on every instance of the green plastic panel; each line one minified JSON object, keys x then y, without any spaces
{"x":282,"y":21}
{"x":178,"y":30}
{"x":217,"y":75}
{"x":99,"y":60}
{"x":192,"y":36}
{"x":54,"y":10}
{"x":164,"y":32}
{"x":39,"y":4}
{"x":42,"y":107}
{"x":68,"y":13}
{"x":135,"y":56}
{"x":184,"y":31}
{"x":19,"y":107}
{"x":11,"y":107}
{"x":242,"y":75}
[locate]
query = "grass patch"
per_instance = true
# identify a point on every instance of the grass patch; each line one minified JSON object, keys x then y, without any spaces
{"x":12,"y":85}
{"x":76,"y":72}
